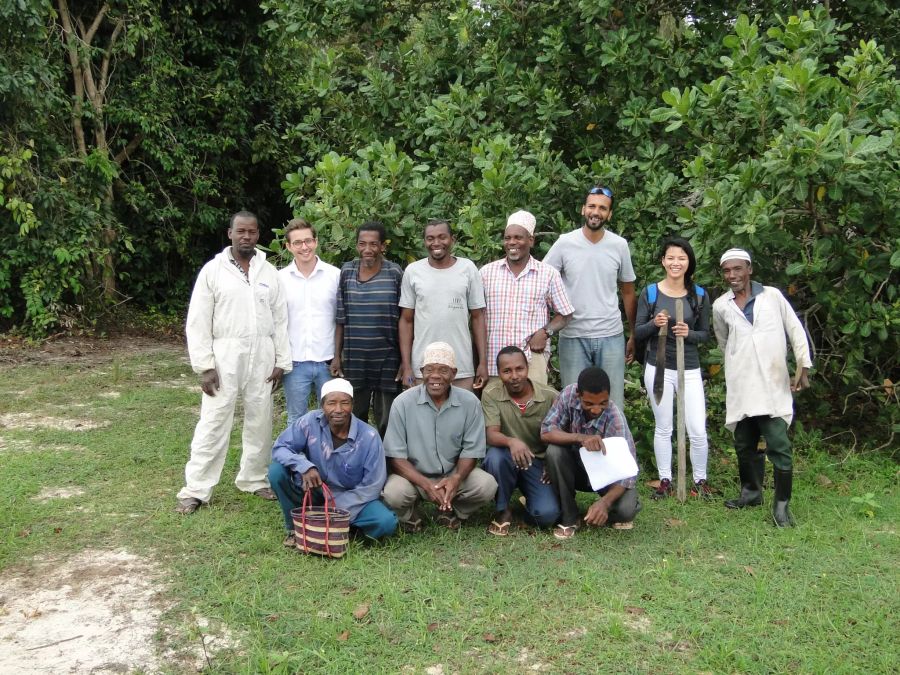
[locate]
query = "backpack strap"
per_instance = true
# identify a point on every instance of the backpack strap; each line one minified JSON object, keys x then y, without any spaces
{"x":651,"y":296}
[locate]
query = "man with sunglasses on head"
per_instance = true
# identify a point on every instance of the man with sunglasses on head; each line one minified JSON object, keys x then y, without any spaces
{"x":594,"y":263}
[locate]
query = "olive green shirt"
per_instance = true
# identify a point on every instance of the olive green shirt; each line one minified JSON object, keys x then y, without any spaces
{"x":501,"y":411}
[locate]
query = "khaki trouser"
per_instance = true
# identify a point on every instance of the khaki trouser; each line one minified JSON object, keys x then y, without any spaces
{"x":475,"y":491}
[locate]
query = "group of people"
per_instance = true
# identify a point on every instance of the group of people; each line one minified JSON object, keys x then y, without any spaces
{"x":414,"y":346}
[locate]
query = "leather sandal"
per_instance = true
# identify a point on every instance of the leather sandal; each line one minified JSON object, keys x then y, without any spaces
{"x":266,"y":493}
{"x":188,"y":505}
{"x":451,"y":522}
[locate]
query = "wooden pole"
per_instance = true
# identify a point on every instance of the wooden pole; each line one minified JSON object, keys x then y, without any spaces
{"x":681,"y":488}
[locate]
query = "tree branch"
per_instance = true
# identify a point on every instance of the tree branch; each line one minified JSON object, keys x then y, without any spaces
{"x":89,"y":35}
{"x":123,"y":155}
{"x":77,"y":75}
{"x":107,"y":56}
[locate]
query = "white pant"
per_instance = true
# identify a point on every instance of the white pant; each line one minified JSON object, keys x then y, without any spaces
{"x":694,"y":420}
{"x":243,"y":366}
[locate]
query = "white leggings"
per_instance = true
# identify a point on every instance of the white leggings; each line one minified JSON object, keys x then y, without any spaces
{"x":694,"y":420}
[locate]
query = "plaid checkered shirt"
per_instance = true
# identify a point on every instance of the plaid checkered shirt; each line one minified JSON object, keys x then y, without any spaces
{"x":518,"y":306}
{"x":568,"y":415}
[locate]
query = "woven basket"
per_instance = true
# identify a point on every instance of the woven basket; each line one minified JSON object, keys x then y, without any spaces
{"x":321,"y":530}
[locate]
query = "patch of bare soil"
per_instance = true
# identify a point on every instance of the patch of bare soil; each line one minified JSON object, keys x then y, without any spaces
{"x":47,"y":494}
{"x":84,"y":350}
{"x":31,"y":421}
{"x":97,"y":612}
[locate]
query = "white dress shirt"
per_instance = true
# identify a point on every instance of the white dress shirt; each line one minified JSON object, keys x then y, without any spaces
{"x":311,"y":307}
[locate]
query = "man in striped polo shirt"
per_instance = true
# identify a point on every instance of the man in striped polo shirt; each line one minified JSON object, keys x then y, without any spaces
{"x":366,"y":341}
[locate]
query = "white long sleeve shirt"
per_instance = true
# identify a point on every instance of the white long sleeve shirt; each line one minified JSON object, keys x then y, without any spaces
{"x":311,"y":308}
{"x":756,"y":374}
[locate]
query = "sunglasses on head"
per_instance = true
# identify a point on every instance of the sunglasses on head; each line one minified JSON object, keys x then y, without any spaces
{"x":600,"y":190}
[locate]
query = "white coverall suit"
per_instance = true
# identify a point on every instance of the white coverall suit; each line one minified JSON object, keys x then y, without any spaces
{"x":239,"y":329}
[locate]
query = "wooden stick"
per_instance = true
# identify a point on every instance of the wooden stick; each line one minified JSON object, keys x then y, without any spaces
{"x":681,"y":489}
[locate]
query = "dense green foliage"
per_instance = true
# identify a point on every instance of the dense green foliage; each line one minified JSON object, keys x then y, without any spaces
{"x":761,"y":124}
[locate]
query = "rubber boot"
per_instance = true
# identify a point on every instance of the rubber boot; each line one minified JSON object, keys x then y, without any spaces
{"x":750,"y":469}
{"x":781,"y":512}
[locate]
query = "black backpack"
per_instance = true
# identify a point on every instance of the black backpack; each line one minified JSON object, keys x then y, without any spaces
{"x":640,"y":346}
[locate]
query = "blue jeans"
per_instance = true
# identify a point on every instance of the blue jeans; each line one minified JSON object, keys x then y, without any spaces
{"x":375,"y":520}
{"x":300,"y":382}
{"x":541,"y":503}
{"x":576,"y":354}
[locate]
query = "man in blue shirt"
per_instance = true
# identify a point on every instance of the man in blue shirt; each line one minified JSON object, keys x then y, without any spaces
{"x":332,"y":446}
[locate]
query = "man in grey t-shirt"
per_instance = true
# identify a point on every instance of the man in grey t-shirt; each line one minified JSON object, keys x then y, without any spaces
{"x":438,"y":295}
{"x":593,"y":262}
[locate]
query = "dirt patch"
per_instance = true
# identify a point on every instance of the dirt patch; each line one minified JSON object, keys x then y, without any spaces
{"x":47,"y":494}
{"x":97,"y":612}
{"x":30,"y":422}
{"x":85,"y":350}
{"x":26,"y":445}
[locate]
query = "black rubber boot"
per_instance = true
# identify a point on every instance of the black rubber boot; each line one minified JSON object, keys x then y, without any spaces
{"x":781,"y":512}
{"x":751,"y":470}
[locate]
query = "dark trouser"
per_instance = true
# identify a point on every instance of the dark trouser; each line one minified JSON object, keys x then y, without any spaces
{"x":774,"y":430}
{"x":567,"y":475}
{"x":375,"y":520}
{"x":541,"y":503}
{"x":365,"y":398}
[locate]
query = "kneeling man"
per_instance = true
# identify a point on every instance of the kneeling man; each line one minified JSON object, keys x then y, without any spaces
{"x":333,"y":447}
{"x":583,"y":416}
{"x":514,"y":408}
{"x":434,"y":438}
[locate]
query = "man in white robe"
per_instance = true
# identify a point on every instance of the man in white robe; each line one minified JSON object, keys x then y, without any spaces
{"x":753,"y":323}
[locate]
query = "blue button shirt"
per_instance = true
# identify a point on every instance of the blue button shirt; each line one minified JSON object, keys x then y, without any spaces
{"x":355,"y":472}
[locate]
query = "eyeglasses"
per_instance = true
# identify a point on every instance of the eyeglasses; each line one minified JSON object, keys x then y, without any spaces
{"x":601,"y":190}
{"x":303,"y":242}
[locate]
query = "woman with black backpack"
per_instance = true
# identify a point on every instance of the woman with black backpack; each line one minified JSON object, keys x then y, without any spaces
{"x":656,"y":308}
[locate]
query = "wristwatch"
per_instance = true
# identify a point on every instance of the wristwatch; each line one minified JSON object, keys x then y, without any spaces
{"x":549,"y":331}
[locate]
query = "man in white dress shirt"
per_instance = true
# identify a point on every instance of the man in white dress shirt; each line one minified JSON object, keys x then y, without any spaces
{"x":310,"y":287}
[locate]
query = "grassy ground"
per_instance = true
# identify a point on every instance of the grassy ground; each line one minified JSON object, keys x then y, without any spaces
{"x":691,"y":588}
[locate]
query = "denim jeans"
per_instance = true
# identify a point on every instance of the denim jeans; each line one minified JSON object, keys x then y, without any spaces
{"x":576,"y":354}
{"x":300,"y":382}
{"x":541,"y":503}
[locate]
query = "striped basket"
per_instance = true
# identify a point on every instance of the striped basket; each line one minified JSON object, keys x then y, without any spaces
{"x":321,"y":530}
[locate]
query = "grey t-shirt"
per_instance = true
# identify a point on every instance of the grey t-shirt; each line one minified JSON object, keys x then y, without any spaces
{"x":591,"y":273}
{"x":442,"y":299}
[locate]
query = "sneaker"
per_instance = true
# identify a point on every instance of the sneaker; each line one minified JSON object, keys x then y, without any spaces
{"x":664,"y":490}
{"x":701,"y":489}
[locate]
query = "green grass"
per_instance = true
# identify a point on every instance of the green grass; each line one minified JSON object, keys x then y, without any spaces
{"x":711,"y":590}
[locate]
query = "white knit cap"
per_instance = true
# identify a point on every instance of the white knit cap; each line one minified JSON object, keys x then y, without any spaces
{"x":522,"y":219}
{"x":735,"y":254}
{"x":337,"y":384}
{"x":439,"y":354}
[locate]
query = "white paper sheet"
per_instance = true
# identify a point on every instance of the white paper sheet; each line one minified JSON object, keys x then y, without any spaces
{"x":617,"y":464}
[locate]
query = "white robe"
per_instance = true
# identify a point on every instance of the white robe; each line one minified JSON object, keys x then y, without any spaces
{"x":756,"y":374}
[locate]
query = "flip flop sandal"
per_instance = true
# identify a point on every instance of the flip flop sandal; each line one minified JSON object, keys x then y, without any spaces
{"x":289,"y":541}
{"x":499,"y":529}
{"x":412,"y":527}
{"x":565,"y":531}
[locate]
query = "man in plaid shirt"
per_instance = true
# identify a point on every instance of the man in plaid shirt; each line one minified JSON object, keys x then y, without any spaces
{"x":519,"y":292}
{"x":583,"y":416}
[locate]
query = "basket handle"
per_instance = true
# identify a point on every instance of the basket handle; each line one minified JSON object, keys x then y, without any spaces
{"x":307,"y":503}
